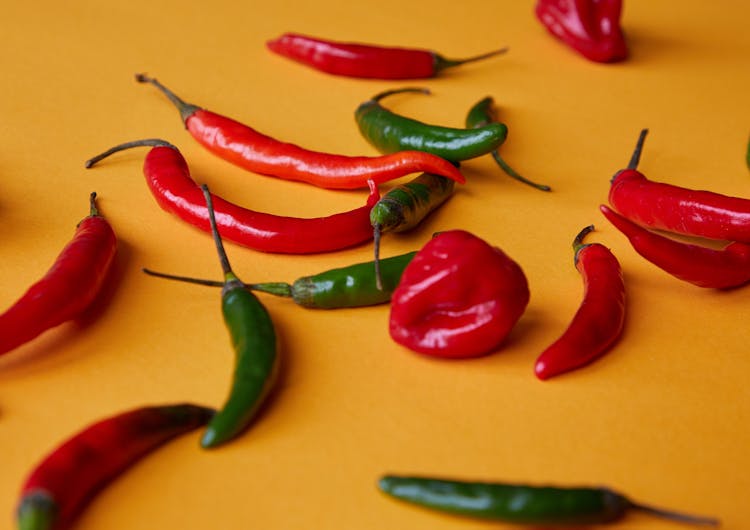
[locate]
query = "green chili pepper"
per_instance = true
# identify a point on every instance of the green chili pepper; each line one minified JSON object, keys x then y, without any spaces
{"x":351,"y":286}
{"x":254,"y":341}
{"x":522,"y":504}
{"x":389,"y":132}
{"x":481,"y":115}
{"x":405,"y":206}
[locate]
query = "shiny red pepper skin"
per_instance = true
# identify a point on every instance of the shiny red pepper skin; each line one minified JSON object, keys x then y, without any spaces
{"x":676,"y":209}
{"x":168,"y":177}
{"x":69,"y":286}
{"x":351,"y":59}
{"x":702,"y":266}
{"x":249,"y":149}
{"x":60,"y":487}
{"x":591,"y":27}
{"x":599,"y":320}
{"x":459,"y":297}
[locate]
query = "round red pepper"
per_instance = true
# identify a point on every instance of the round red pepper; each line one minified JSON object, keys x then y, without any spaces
{"x":458,"y":298}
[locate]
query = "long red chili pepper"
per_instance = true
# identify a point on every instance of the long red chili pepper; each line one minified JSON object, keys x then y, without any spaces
{"x":68,"y":288}
{"x":702,"y":266}
{"x":168,"y":177}
{"x":677,"y":209}
{"x":598,"y":323}
{"x":62,"y":485}
{"x":256,"y":152}
{"x":351,"y":59}
{"x":591,"y":27}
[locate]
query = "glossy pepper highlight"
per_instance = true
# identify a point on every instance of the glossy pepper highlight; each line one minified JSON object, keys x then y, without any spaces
{"x":389,"y":132}
{"x":483,"y":113}
{"x":402,"y":208}
{"x":524,"y":504}
{"x":168,"y":177}
{"x":61,"y":486}
{"x":352,"y":59}
{"x":591,"y":27}
{"x":249,"y":149}
{"x":676,"y":209}
{"x":339,"y":288}
{"x":255,"y":345}
{"x":458,"y":298}
{"x":68,"y":288}
{"x":723,"y":268}
{"x":599,"y":320}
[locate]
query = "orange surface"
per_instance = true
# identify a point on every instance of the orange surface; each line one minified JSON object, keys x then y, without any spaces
{"x":664,"y":417}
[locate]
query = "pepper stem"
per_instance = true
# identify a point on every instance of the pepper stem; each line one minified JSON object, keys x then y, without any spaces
{"x":675,"y":516}
{"x":578,"y":243}
{"x":223,"y":259}
{"x":441,"y":63}
{"x":186,"y":109}
{"x":386,"y":93}
{"x":376,"y":231}
{"x":636,"y":157}
{"x":281,"y":289}
{"x":512,"y":173}
{"x":93,"y":210}
{"x":153,"y":142}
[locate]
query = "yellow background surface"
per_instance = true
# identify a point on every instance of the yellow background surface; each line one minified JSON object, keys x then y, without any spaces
{"x":664,"y":417}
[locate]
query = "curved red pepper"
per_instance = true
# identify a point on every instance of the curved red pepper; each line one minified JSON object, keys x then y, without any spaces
{"x":591,"y":27}
{"x":677,"y":209}
{"x":60,"y":487}
{"x":249,"y":149}
{"x":68,"y":288}
{"x":459,"y":297}
{"x":702,"y":266}
{"x":351,"y":59}
{"x":599,"y":321}
{"x":168,"y":178}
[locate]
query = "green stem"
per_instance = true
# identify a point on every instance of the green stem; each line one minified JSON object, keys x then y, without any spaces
{"x":512,"y":173}
{"x":675,"y":516}
{"x":636,"y":157}
{"x":281,"y":289}
{"x":93,"y":210}
{"x":386,"y":93}
{"x":152,"y":142}
{"x":441,"y":63}
{"x":186,"y":109}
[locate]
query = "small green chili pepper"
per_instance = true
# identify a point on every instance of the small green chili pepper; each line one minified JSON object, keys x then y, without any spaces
{"x":351,"y":286}
{"x":405,"y":206}
{"x":389,"y":132}
{"x":254,"y":341}
{"x":482,"y":114}
{"x":523,"y":504}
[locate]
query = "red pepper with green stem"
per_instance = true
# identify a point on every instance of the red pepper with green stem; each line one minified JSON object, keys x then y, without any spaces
{"x":677,"y":209}
{"x":249,"y":149}
{"x":352,"y":59}
{"x":600,"y":318}
{"x":458,"y":298}
{"x":483,"y":113}
{"x":591,"y":27}
{"x":168,"y":177}
{"x":723,"y":268}
{"x":68,"y":288}
{"x":64,"y":483}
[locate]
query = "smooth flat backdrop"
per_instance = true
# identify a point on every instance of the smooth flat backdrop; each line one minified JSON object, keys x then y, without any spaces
{"x":664,"y":417}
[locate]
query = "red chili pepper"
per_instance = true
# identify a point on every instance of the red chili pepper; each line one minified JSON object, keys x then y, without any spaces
{"x":249,"y":149}
{"x":459,"y":297}
{"x":68,"y":288}
{"x":600,"y":318}
{"x":591,"y":27}
{"x":168,"y":177}
{"x":351,"y":59}
{"x":702,"y":266}
{"x":677,"y":209}
{"x":60,"y":487}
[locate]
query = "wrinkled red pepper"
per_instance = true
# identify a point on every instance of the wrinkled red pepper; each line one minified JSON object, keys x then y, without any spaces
{"x":458,"y":298}
{"x":591,"y":27}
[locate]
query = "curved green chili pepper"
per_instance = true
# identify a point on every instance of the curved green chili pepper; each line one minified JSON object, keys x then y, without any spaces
{"x":482,"y":114}
{"x":351,"y":286}
{"x":405,"y":206}
{"x":536,"y":505}
{"x":389,"y":132}
{"x":254,"y":341}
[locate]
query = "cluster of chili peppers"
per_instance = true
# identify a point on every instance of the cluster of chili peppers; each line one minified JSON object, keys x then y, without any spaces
{"x":456,"y":297}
